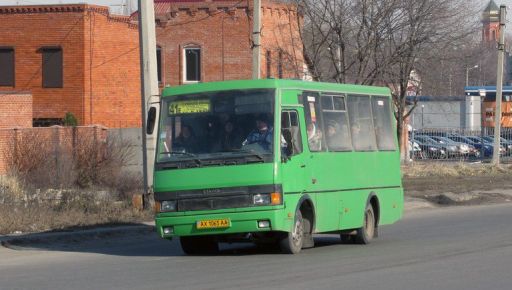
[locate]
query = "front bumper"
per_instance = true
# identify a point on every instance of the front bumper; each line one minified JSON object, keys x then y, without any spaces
{"x":240,"y":222}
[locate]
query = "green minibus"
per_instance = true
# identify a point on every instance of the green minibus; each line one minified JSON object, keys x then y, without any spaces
{"x":274,"y":162}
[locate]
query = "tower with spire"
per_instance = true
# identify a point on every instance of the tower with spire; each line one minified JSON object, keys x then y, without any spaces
{"x":491,"y":23}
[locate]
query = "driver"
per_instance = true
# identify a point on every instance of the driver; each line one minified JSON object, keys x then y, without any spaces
{"x":262,"y":135}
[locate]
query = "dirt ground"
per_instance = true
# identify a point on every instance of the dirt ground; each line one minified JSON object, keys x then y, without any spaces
{"x":458,"y":184}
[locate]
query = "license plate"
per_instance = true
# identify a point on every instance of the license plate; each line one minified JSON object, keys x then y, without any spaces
{"x":213,"y":224}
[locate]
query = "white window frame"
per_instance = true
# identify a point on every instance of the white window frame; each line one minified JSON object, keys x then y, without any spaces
{"x":184,"y":64}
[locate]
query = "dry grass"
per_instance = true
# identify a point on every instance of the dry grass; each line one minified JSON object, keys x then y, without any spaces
{"x":51,"y":186}
{"x":36,"y":217}
{"x":461,"y":169}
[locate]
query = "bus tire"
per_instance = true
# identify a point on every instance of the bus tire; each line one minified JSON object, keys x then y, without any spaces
{"x":292,"y":241}
{"x":367,"y":232}
{"x":199,"y":245}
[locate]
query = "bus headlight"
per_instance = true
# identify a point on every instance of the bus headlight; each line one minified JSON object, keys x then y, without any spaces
{"x":261,"y":199}
{"x":274,"y":198}
{"x":167,"y":205}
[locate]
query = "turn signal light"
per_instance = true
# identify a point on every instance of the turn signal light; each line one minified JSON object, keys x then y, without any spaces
{"x":276,"y":198}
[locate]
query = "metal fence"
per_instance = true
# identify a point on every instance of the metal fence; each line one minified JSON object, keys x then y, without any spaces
{"x":458,"y":144}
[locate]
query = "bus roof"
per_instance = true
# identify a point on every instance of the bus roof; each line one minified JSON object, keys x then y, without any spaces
{"x":273,"y":83}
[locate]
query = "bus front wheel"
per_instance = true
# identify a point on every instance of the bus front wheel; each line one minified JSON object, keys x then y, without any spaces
{"x":292,"y":242}
{"x":367,"y":232}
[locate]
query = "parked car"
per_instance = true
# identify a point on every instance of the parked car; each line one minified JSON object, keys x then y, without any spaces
{"x":503,"y":142}
{"x":415,"y":150}
{"x":457,"y":148}
{"x":488,"y":147}
{"x":430,"y":147}
{"x":474,"y":151}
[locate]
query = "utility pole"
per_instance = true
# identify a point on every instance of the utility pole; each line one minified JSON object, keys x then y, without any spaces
{"x":499,"y":87}
{"x":149,"y":85}
{"x":256,"y":34}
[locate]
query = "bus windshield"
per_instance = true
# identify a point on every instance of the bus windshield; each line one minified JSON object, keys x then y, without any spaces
{"x":217,"y":128}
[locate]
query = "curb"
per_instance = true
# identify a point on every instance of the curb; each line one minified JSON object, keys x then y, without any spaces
{"x":88,"y":234}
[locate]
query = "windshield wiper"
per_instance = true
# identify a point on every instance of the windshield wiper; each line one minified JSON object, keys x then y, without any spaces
{"x":194,"y":157}
{"x":179,"y":153}
{"x":254,"y":154}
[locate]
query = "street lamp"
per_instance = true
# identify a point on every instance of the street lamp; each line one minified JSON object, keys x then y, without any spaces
{"x":467,"y":73}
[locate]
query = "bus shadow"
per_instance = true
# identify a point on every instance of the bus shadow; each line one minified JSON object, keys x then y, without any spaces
{"x":136,"y":240}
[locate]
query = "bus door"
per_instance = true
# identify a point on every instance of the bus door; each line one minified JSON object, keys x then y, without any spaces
{"x":330,"y":161}
{"x":293,"y":160}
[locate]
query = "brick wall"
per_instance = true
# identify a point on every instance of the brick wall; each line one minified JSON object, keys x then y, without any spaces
{"x":27,"y":30}
{"x":112,"y":55}
{"x":59,"y":138}
{"x":15,"y":110}
{"x":100,"y":61}
{"x":223,"y":31}
{"x":280,"y":36}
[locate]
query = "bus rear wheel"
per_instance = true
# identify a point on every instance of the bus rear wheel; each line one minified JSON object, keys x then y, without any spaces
{"x":366,"y":233}
{"x":292,"y":242}
{"x":199,"y":245}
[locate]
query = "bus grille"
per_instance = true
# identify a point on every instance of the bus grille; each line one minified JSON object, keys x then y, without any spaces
{"x":215,"y":203}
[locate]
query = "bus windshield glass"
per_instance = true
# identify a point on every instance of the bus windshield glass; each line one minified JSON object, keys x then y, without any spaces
{"x":217,"y":128}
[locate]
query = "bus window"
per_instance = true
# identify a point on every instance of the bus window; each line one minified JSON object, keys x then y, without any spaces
{"x":382,"y":121}
{"x":291,"y":133}
{"x":313,"y":122}
{"x":336,"y":128}
{"x":361,"y":123}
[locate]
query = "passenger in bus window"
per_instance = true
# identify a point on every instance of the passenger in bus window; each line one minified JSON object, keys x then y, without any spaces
{"x":230,"y":139}
{"x":187,"y":140}
{"x":333,"y":136}
{"x":262,"y":135}
{"x":314,"y":137}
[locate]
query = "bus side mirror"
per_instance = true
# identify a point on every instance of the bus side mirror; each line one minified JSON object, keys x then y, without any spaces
{"x":150,"y":125}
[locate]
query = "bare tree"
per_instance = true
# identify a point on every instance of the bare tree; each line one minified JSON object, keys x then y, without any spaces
{"x":380,"y":42}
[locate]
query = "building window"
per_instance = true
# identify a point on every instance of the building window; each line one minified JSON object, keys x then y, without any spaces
{"x":159,"y":63}
{"x":47,"y":122}
{"x":52,"y":67}
{"x":269,"y":63}
{"x":192,"y":64}
{"x":6,"y":66}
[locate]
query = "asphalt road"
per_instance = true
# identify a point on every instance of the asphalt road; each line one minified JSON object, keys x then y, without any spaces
{"x":450,"y":248}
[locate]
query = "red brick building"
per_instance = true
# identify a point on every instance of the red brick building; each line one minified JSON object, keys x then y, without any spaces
{"x":72,"y":58}
{"x":15,"y":110}
{"x":491,"y":23}
{"x":210,"y":40}
{"x":80,"y":59}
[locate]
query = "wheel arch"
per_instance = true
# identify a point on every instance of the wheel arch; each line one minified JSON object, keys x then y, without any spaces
{"x":373,"y":199}
{"x":307,"y":208}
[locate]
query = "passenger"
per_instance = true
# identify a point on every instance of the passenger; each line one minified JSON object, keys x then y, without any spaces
{"x":333,"y":136}
{"x":211,"y":139}
{"x":314,"y":137}
{"x":262,"y":135}
{"x":230,"y":139}
{"x":187,"y":140}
